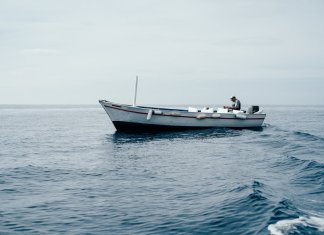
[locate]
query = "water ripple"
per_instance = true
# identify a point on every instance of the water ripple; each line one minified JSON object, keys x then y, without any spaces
{"x":61,"y":172}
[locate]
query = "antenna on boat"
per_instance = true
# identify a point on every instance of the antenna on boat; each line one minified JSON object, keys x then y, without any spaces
{"x":135,"y":95}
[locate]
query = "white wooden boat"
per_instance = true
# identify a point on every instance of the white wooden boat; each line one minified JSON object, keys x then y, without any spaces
{"x":131,"y":118}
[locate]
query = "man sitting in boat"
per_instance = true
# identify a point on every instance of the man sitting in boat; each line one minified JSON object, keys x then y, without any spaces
{"x":236,"y":104}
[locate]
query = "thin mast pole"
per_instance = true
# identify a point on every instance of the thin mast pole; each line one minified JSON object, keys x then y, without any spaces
{"x":135,"y":95}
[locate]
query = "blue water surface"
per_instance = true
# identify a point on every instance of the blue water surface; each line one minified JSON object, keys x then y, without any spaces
{"x":64,"y":170}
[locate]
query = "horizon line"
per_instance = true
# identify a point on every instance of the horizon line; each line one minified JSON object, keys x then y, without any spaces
{"x":150,"y":104}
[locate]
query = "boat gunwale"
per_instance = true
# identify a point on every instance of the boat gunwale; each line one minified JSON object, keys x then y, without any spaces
{"x":142,"y":107}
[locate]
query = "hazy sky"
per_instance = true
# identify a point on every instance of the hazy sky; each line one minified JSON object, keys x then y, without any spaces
{"x":184,"y":51}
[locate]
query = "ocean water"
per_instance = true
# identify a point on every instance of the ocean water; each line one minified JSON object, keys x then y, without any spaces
{"x":64,"y":170}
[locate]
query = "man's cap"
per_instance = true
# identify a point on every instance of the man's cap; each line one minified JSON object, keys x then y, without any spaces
{"x":233,"y":96}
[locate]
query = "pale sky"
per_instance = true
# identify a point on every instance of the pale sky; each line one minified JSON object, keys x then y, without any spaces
{"x":184,"y":51}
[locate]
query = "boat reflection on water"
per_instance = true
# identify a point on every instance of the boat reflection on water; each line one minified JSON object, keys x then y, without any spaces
{"x":202,"y":134}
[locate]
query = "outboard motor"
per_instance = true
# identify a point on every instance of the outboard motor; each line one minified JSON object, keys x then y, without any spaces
{"x":253,"y":109}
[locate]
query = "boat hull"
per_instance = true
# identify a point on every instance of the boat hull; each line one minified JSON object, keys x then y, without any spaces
{"x":134,"y":127}
{"x":129,"y":118}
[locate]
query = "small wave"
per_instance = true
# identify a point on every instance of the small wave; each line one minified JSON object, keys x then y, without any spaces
{"x":311,"y":169}
{"x":284,"y":226}
{"x":308,"y":135}
{"x":30,"y":172}
{"x":240,"y":188}
{"x":312,"y":177}
{"x":259,"y":192}
{"x":296,"y":133}
{"x":243,"y":214}
{"x":289,"y":162}
{"x":304,"y":164}
{"x":308,"y":174}
{"x":285,"y":209}
{"x":287,"y":136}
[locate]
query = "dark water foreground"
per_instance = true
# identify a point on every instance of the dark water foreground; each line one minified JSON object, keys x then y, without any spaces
{"x":63,"y":170}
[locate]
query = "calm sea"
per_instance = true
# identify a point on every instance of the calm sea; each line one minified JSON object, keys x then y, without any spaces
{"x":64,"y":170}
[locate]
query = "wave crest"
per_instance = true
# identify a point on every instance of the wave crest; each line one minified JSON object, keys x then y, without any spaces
{"x":284,"y":226}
